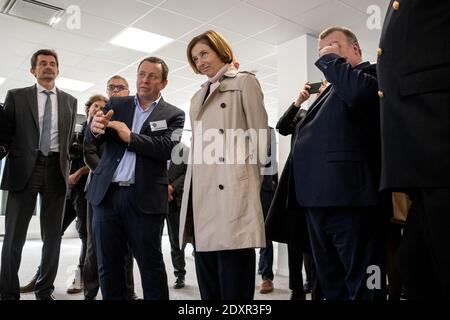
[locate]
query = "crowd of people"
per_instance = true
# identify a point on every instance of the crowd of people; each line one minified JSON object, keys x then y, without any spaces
{"x":363,"y":196}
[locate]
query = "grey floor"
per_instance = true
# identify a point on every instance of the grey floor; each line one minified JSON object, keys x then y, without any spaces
{"x":70,"y":249}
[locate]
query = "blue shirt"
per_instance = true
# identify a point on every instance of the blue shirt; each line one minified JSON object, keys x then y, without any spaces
{"x":125,"y":170}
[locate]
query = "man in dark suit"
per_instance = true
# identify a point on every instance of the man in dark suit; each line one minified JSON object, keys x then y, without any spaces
{"x":414,"y":68}
{"x":335,"y":165}
{"x":177,"y":173}
{"x":39,"y":126}
{"x":128,"y":191}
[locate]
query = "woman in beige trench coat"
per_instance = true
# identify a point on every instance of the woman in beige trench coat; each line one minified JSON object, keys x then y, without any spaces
{"x":221,"y":208}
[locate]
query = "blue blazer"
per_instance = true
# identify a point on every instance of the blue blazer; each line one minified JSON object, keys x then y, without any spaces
{"x":336,"y":152}
{"x":152,"y":148}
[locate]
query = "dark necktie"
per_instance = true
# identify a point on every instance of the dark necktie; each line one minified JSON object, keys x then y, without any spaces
{"x":46,"y":125}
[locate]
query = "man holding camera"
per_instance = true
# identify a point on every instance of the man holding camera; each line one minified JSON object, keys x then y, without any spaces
{"x":335,"y":165}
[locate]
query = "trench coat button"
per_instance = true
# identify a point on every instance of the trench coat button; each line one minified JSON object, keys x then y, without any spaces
{"x":223,"y":105}
{"x":221,"y":187}
{"x":379,"y":52}
{"x":221,"y":131}
{"x":222,"y":159}
{"x":396,"y":5}
{"x":381,"y":94}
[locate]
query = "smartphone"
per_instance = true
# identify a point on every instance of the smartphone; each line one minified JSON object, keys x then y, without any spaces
{"x":314,"y":87}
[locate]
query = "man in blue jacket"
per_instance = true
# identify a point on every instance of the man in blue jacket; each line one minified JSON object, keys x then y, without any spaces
{"x":336,"y":168}
{"x":128,"y":191}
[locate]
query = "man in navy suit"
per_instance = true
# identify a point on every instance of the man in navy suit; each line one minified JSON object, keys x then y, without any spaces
{"x":335,"y":161}
{"x":128,"y":191}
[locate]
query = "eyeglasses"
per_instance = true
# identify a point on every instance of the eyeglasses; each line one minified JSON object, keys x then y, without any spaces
{"x":118,"y":88}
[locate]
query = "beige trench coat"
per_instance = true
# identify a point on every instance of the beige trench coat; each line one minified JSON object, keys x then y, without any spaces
{"x":226,"y":206}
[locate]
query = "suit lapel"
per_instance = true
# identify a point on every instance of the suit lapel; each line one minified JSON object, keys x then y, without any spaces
{"x":129,"y":116}
{"x":316,"y":104}
{"x":156,"y":114}
{"x":64,"y":118}
{"x":33,"y":104}
{"x":198,"y":102}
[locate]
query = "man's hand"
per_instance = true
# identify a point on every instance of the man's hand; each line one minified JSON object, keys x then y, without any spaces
{"x":170,"y":190}
{"x":101,"y":121}
{"x":303,"y":95}
{"x":73,"y":180}
{"x":122,"y":130}
{"x":331,"y":48}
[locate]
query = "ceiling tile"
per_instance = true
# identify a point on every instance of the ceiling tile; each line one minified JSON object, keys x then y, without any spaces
{"x":282,"y":32}
{"x":246,"y":20}
{"x":119,"y":11}
{"x":65,"y":3}
{"x":156,"y":22}
{"x":152,"y":2}
{"x":203,"y":10}
{"x":286,"y":8}
{"x":187,"y":72}
{"x":336,"y":14}
{"x":362,"y":5}
{"x":175,"y":50}
{"x":93,"y":27}
{"x":232,"y":37}
{"x":9,"y":60}
{"x":17,"y":47}
{"x":117,"y":54}
{"x":99,"y":65}
{"x":178,"y":83}
{"x":252,"y":49}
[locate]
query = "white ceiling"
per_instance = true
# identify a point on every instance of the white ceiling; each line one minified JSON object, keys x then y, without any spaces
{"x":253,"y":27}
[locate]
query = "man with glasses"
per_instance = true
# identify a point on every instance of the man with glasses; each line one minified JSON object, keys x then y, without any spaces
{"x":117,"y":87}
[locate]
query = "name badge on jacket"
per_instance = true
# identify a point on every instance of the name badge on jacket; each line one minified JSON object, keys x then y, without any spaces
{"x":158,"y":125}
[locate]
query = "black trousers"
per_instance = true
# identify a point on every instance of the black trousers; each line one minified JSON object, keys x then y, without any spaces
{"x":424,"y":253}
{"x":76,"y":206}
{"x":265,"y":264}
{"x":48,"y":181}
{"x":116,"y":223}
{"x":345,"y":242}
{"x":90,"y":267}
{"x":173,"y":227}
{"x":226,"y":275}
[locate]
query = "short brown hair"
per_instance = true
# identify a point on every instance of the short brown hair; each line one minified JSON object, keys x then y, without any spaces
{"x":120,"y":78}
{"x":216,"y":42}
{"x":45,"y":52}
{"x":165,"y":68}
{"x":351,"y":37}
{"x":92,"y":99}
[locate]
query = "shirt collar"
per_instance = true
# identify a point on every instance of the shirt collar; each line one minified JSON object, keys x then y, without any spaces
{"x":40,"y":88}
{"x":154,"y":103}
{"x":220,"y":73}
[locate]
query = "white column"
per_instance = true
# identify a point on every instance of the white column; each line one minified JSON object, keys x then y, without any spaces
{"x":295,"y":64}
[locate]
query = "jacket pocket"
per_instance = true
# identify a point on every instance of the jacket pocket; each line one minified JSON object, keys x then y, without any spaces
{"x":426,"y":81}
